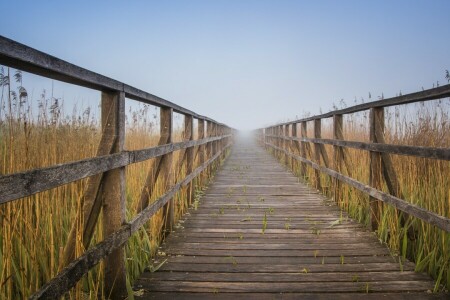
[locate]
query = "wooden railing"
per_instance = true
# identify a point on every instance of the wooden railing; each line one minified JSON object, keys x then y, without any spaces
{"x":284,"y":140}
{"x":107,"y":168}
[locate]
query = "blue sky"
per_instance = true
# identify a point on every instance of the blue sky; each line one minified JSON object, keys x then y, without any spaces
{"x":245,"y":63}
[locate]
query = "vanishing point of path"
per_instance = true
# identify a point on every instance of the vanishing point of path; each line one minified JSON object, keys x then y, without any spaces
{"x":260,"y":234}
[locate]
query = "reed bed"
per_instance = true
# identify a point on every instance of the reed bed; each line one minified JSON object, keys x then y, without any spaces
{"x":424,"y":182}
{"x":34,"y":230}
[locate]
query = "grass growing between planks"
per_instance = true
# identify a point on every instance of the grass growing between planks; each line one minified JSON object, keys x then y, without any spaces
{"x":34,"y":230}
{"x":424,"y":182}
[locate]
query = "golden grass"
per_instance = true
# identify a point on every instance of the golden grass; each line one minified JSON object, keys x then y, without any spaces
{"x":424,"y":182}
{"x":34,"y":230}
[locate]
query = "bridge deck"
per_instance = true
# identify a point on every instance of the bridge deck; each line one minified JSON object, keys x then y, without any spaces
{"x":258,"y":232}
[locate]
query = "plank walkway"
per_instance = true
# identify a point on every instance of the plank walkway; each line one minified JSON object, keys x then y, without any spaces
{"x":259,"y":233}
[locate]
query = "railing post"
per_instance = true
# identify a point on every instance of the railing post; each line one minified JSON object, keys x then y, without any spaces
{"x":338,"y":155}
{"x":376,"y":120}
{"x":317,"y":134}
{"x":303,"y":134}
{"x":286,"y":145}
{"x":201,"y":148}
{"x":166,"y":123}
{"x":113,"y":196}
{"x":209,"y":146}
{"x":280,"y":141}
{"x":295,"y":148}
{"x":189,"y":135}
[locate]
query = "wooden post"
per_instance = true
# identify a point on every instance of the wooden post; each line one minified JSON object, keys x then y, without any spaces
{"x":317,"y":151}
{"x":201,"y":148}
{"x":294,"y":147}
{"x":166,"y":123}
{"x":376,"y":120}
{"x":338,"y":155}
{"x":92,"y":202}
{"x":280,"y":141}
{"x":286,"y":145}
{"x":189,"y":135}
{"x":304,"y":134}
{"x":155,"y":168}
{"x":209,"y":146}
{"x":113,"y":196}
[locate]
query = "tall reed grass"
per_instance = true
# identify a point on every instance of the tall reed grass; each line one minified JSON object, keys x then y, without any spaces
{"x":424,"y":182}
{"x":33,"y":231}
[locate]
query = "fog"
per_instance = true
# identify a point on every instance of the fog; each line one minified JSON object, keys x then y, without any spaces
{"x":244,"y":63}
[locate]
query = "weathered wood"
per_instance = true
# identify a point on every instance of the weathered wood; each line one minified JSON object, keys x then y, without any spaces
{"x":317,"y":152}
{"x":286,"y":144}
{"x":92,"y":201}
{"x":189,"y":134}
{"x":200,"y":154}
{"x":17,"y":185}
{"x":303,"y":147}
{"x":70,"y":275}
{"x":25,"y":58}
{"x":425,"y":95}
{"x":166,"y":171}
{"x":409,"y":208}
{"x":295,"y":147}
{"x":113,"y":199}
{"x":289,"y":296}
{"x":376,"y":123}
{"x":417,"y":151}
{"x":223,"y":246}
{"x":338,"y":156}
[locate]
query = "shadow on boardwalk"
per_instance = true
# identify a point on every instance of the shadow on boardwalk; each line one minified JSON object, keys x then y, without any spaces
{"x":259,"y":233}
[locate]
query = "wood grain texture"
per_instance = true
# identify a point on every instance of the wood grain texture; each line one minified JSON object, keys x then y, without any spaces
{"x":402,"y":205}
{"x":17,"y":185}
{"x":418,"y":151}
{"x":258,"y":232}
{"x":25,"y":58}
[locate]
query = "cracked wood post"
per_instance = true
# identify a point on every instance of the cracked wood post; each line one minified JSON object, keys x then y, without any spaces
{"x":303,"y":134}
{"x":376,"y":121}
{"x":113,"y":198}
{"x":317,"y":151}
{"x":166,"y":123}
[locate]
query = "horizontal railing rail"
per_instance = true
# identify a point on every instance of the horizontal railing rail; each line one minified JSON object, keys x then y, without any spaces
{"x":80,"y":266}
{"x":25,"y":58}
{"x":105,"y":191}
{"x":18,"y":185}
{"x":284,"y":139}
{"x":418,"y":151}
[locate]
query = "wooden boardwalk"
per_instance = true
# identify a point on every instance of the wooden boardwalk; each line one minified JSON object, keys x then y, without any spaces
{"x":259,"y":233}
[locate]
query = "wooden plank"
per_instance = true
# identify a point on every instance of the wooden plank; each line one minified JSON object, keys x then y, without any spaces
{"x":70,"y":275}
{"x":409,"y":208}
{"x":217,"y":249}
{"x":288,"y":296}
{"x":290,"y":287}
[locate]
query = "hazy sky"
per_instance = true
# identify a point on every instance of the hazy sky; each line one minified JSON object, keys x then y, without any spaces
{"x":246,"y":63}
